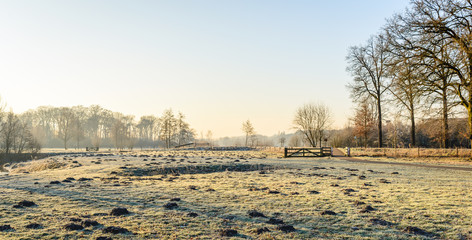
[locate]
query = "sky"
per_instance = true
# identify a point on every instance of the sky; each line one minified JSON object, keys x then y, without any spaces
{"x":218,"y":62}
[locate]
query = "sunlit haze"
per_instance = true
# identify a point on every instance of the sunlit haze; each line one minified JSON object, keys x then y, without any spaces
{"x":218,"y":62}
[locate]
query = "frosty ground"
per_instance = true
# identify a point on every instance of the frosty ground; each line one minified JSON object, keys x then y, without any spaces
{"x":230,"y":194}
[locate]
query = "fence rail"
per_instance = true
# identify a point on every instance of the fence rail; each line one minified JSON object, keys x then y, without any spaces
{"x":411,"y":152}
{"x":307,"y":152}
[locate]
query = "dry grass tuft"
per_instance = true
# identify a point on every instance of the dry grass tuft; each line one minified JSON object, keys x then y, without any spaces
{"x":37,"y":165}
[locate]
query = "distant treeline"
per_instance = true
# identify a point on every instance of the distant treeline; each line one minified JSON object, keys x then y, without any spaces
{"x":94,"y":126}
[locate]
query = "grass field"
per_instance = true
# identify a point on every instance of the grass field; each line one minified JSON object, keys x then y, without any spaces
{"x":234,"y":195}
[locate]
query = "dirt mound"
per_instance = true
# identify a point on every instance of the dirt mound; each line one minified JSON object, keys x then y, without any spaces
{"x":228,"y":233}
{"x":255,"y":213}
{"x":115,"y":230}
{"x":24,"y":203}
{"x":286,"y":228}
{"x":73,"y":227}
{"x":119,"y":212}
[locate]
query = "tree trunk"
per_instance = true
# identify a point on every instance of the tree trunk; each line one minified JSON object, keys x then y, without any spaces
{"x":469,"y":112}
{"x":445,"y":121}
{"x":413,"y":127}
{"x":379,"y":108}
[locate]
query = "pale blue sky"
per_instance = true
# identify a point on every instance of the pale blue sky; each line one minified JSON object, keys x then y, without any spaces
{"x":219,"y":62}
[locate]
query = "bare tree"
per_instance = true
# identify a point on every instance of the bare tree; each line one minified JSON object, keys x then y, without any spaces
{"x":65,"y":119}
{"x":130,"y":131}
{"x":368,"y":66}
{"x":168,"y":127}
{"x":16,"y":136}
{"x":93,"y":123}
{"x":10,"y":129}
{"x":396,"y":132}
{"x":296,"y":140}
{"x":183,"y":132}
{"x":78,"y":128}
{"x":44,"y":122}
{"x":248,"y":129}
{"x":147,"y":128}
{"x":282,"y":139}
{"x":438,"y":87}
{"x":119,"y":133}
{"x":343,"y":137}
{"x":123,"y":131}
{"x":432,"y":25}
{"x":313,"y":120}
{"x":407,"y":88}
{"x":209,"y":137}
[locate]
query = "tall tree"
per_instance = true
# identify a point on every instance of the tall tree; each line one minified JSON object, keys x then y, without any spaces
{"x":97,"y":119}
{"x":78,"y":128}
{"x":130,"y":130}
{"x":45,"y":121}
{"x":438,"y":87}
{"x":146,"y":126}
{"x":119,"y":133}
{"x":407,"y":88}
{"x":368,"y":65}
{"x":65,"y":118}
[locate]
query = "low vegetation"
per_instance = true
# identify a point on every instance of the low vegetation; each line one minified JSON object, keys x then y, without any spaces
{"x":452,"y":156}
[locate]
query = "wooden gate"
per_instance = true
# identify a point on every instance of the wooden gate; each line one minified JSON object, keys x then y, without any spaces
{"x":307,"y":152}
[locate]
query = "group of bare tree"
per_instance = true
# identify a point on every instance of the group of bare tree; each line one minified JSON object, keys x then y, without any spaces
{"x":421,"y":60}
{"x":15,"y":136}
{"x":95,"y":126}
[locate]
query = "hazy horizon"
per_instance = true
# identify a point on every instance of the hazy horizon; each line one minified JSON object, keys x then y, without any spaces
{"x":219,"y":63}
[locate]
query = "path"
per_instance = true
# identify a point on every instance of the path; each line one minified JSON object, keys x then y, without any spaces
{"x":340,"y":155}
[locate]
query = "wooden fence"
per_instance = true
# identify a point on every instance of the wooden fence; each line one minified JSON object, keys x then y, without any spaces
{"x":307,"y":152}
{"x":411,"y":152}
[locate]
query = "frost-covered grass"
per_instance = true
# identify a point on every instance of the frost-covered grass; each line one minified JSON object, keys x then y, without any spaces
{"x":436,"y":201}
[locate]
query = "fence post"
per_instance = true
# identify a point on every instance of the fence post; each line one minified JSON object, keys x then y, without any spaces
{"x":285,"y":152}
